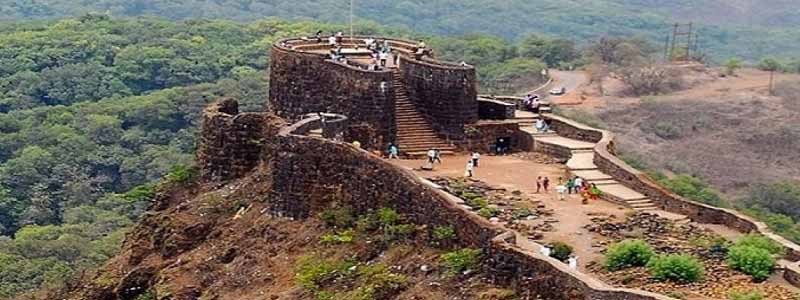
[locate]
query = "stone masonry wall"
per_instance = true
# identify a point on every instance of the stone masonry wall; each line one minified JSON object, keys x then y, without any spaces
{"x":489,"y":109}
{"x":230,"y":142}
{"x":482,"y":136}
{"x":309,"y":174}
{"x":445,"y":94}
{"x":302,"y":83}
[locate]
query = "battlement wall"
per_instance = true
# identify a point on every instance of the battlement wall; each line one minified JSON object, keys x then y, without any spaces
{"x":445,"y":93}
{"x":230,"y":142}
{"x":302,"y":83}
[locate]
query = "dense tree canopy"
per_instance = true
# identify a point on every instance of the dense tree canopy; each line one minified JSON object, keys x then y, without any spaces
{"x":725,"y":28}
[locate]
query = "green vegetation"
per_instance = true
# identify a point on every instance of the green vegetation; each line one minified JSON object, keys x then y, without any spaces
{"x":777,"y":205}
{"x":720,"y":26}
{"x":561,"y":251}
{"x":444,"y":234}
{"x":761,"y":242}
{"x":488,"y":212}
{"x":676,"y":267}
{"x":755,"y":295}
{"x":692,"y":188}
{"x":461,"y":260}
{"x":344,"y":237}
{"x":753,"y":261}
{"x":628,"y":253}
{"x":732,"y":65}
{"x":312,"y":271}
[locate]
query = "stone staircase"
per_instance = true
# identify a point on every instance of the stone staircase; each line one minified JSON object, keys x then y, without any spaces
{"x":581,"y":163}
{"x":415,"y":135}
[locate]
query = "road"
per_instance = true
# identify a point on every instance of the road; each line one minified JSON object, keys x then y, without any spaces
{"x":571,"y":80}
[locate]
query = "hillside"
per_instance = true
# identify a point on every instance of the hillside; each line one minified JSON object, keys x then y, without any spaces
{"x":730,"y":28}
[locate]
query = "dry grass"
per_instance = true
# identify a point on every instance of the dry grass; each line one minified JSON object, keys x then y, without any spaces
{"x":731,"y":142}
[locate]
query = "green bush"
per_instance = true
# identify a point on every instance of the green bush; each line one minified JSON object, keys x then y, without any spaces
{"x":311,"y":271}
{"x":461,"y":260}
{"x":478,"y":202}
{"x":339,"y":217}
{"x":444,"y":233}
{"x":756,"y":295}
{"x":488,"y":212}
{"x":676,"y":267}
{"x":388,"y":217}
{"x":561,"y":251}
{"x":521,"y":213}
{"x":628,"y":253}
{"x":761,"y":242}
{"x":753,"y":261}
{"x":399,"y":232}
{"x":376,"y":282}
{"x":344,"y":237}
{"x":181,"y":174}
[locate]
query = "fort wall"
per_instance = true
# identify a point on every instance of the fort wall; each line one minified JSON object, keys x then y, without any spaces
{"x":446,"y":94}
{"x":303,"y":82}
{"x":230,"y":142}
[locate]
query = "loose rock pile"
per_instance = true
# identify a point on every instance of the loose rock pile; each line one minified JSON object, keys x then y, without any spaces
{"x":666,"y":237}
{"x":516,"y":211}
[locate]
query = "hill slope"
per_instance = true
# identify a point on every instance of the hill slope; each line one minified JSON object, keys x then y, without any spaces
{"x":730,"y":28}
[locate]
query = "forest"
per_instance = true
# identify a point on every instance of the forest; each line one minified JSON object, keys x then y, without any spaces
{"x":96,"y":110}
{"x":726,"y":28}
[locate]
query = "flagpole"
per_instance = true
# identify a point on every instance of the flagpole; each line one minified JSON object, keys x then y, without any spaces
{"x":351,"y":18}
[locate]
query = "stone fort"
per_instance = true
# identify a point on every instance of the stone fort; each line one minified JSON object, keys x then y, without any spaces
{"x":318,"y":105}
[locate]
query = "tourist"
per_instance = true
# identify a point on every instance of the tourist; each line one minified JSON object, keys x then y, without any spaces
{"x":475,"y":157}
{"x":339,"y":37}
{"x":370,"y":43}
{"x":470,"y":168}
{"x":437,"y":156}
{"x":393,"y":151}
{"x":595,"y":192}
{"x":332,"y":40}
{"x":546,"y":184}
{"x":572,"y":261}
{"x":431,"y":156}
{"x":538,"y":184}
{"x":384,"y":56}
{"x":578,"y":184}
{"x":570,"y":185}
{"x":357,"y":144}
{"x":544,"y":250}
{"x":318,"y":36}
{"x":535,"y":103}
{"x":561,"y":191}
{"x":464,"y":64}
{"x":540,"y":126}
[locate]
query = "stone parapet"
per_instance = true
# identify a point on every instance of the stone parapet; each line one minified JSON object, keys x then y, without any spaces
{"x":489,"y":109}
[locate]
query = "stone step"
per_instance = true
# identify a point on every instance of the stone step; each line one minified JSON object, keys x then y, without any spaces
{"x":643,"y":201}
{"x":592,"y":175}
{"x":642,"y":205}
{"x":416,"y":135}
{"x":622,"y":192}
{"x":649,"y":208}
{"x":604,"y":182}
{"x":581,"y":161}
{"x":422,"y":145}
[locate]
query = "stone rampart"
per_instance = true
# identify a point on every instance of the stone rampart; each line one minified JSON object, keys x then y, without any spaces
{"x":303,"y":82}
{"x":446,"y":94}
{"x":489,"y":109}
{"x":230,"y":142}
{"x":482,"y":136}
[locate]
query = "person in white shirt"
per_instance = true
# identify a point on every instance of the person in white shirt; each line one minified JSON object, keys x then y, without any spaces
{"x":384,"y":56}
{"x":332,"y":40}
{"x":475,"y":157}
{"x":572,"y":261}
{"x":561,"y":191}
{"x":470,"y":168}
{"x":544,"y":250}
{"x":431,"y":156}
{"x":539,"y":125}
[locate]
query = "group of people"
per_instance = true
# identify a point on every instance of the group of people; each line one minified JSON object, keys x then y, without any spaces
{"x":579,"y":185}
{"x":531,"y":102}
